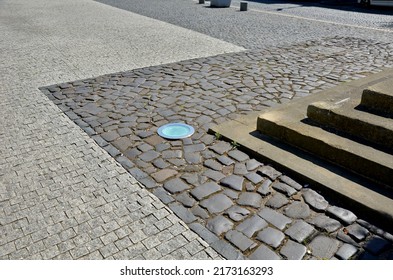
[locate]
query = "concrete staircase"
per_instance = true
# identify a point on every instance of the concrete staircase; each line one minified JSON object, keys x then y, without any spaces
{"x":340,"y":140}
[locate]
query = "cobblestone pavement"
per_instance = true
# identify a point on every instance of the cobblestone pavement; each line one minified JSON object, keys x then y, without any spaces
{"x":238,"y":205}
{"x":260,"y":27}
{"x":61,"y":195}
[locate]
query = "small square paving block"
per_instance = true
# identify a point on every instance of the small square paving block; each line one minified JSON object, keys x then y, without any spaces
{"x":271,"y":237}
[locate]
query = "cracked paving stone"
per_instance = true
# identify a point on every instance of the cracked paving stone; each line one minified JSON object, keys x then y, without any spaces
{"x":219,"y":225}
{"x":200,"y":212}
{"x":237,"y":213}
{"x":290,"y":182}
{"x":275,"y":218}
{"x":164,"y":174}
{"x":271,"y":237}
{"x":269,"y":171}
{"x":231,"y":193}
{"x":176,"y":186}
{"x":212,"y":164}
{"x":345,"y":216}
{"x":239,"y":240}
{"x":221,"y":147}
{"x":357,"y":232}
{"x":186,"y":200}
{"x":283,"y":188}
{"x":323,"y":247}
{"x":315,"y":200}
{"x":325,"y":223}
{"x":376,"y":245}
{"x":297,"y":210}
{"x":233,"y":181}
{"x":252,"y":164}
{"x":293,"y":251}
{"x":346,"y":251}
{"x":225,"y":160}
{"x":277,"y":201}
{"x":217,"y":203}
{"x":194,"y":179}
{"x":252,"y":225}
{"x":254,"y":178}
{"x":300,"y":231}
{"x":205,"y":190}
{"x":343,"y":236}
{"x":264,"y":253}
{"x":238,"y":155}
{"x":250,"y":199}
{"x":264,"y":189}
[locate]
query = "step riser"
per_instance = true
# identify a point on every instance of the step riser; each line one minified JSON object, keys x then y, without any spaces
{"x":352,"y":162}
{"x":354,"y":127}
{"x":377,"y":102}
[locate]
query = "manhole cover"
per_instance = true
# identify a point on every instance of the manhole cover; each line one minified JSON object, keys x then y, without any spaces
{"x":175,"y":131}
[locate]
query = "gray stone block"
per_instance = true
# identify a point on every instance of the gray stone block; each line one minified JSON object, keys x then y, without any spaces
{"x":277,"y":219}
{"x":284,"y":188}
{"x":176,"y":185}
{"x":269,"y":171}
{"x":254,"y":177}
{"x":239,"y":240}
{"x":233,"y":181}
{"x":182,"y":212}
{"x":250,"y":199}
{"x":252,"y":225}
{"x":300,"y":231}
{"x":325,"y":223}
{"x":323,"y":247}
{"x":264,"y":253}
{"x":315,"y":200}
{"x":264,"y":189}
{"x":219,"y":225}
{"x":346,"y":251}
{"x":293,"y":251}
{"x":297,"y":210}
{"x":205,"y":190}
{"x":271,"y":237}
{"x":217,"y":203}
{"x":357,"y":232}
{"x":290,"y":182}
{"x":237,"y":213}
{"x":277,"y":201}
{"x":345,"y":216}
{"x":238,"y":155}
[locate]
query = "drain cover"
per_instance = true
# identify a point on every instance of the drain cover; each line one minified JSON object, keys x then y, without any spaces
{"x":175,"y":131}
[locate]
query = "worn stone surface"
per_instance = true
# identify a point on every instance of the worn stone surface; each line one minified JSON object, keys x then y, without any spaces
{"x":277,"y":201}
{"x":300,"y":231}
{"x":290,"y":182}
{"x":345,"y":216}
{"x":293,"y":251}
{"x":271,"y":237}
{"x":176,"y":185}
{"x":284,"y":188}
{"x":314,"y":199}
{"x":357,"y":232}
{"x":346,"y":251}
{"x":233,"y":181}
{"x":219,"y":225}
{"x":323,"y":247}
{"x":240,"y":240}
{"x":325,"y":223}
{"x":275,"y":218}
{"x":237,"y":213}
{"x":205,"y":190}
{"x":264,"y":253}
{"x":264,"y":189}
{"x":217,"y":203}
{"x":269,"y":171}
{"x":250,"y":199}
{"x":252,"y":225}
{"x":254,"y":178}
{"x":297,"y":210}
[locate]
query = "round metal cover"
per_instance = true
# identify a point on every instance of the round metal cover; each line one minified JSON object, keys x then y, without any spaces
{"x":175,"y":131}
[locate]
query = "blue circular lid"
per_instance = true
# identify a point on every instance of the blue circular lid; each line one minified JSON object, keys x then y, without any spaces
{"x":175,"y":131}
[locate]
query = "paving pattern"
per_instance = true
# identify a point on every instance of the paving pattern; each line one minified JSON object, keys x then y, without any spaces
{"x":238,"y":205}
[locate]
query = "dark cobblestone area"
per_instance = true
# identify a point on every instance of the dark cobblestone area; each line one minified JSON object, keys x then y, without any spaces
{"x":241,"y":207}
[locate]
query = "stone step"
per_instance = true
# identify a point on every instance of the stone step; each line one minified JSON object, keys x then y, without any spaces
{"x":379,"y":98}
{"x":343,"y":117}
{"x":361,"y":159}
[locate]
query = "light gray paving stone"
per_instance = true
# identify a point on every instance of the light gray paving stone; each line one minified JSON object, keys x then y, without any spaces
{"x":271,"y":237}
{"x":176,"y":185}
{"x":315,"y":200}
{"x":264,"y":189}
{"x":290,"y":182}
{"x":212,"y":164}
{"x":225,"y":160}
{"x":275,"y":218}
{"x":252,"y":164}
{"x":269,"y":171}
{"x":214,"y":175}
{"x":254,"y":177}
{"x":252,"y":225}
{"x":357,"y":232}
{"x":163,"y":195}
{"x":219,"y":225}
{"x":205,"y":190}
{"x":237,"y":213}
{"x":293,"y":251}
{"x":240,"y":169}
{"x":325,"y":223}
{"x":323,"y":247}
{"x":300,"y":231}
{"x":250,"y":199}
{"x":297,"y":210}
{"x":240,"y":240}
{"x":238,"y":155}
{"x":200,"y":212}
{"x":182,"y":212}
{"x":284,"y":188}
{"x":194,"y":148}
{"x":164,"y":174}
{"x":346,"y":251}
{"x":227,"y":250}
{"x":264,"y":253}
{"x":216,"y":203}
{"x":345,"y":216}
{"x":342,"y":235}
{"x":221,"y":147}
{"x":277,"y":201}
{"x":233,"y":181}
{"x":186,"y":200}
